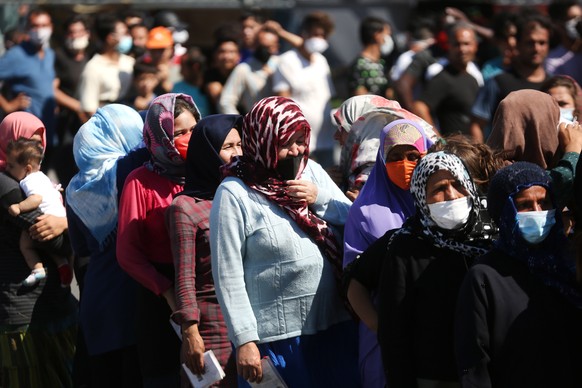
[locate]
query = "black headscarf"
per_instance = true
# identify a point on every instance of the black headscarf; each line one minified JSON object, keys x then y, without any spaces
{"x":547,"y":260}
{"x":203,"y":160}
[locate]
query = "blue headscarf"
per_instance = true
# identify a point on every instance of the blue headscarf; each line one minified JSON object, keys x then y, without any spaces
{"x":111,"y":133}
{"x":547,"y":260}
{"x":203,"y":161}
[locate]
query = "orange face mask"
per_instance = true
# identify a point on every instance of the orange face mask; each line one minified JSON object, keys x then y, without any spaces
{"x":181,"y":144}
{"x":400,"y":172}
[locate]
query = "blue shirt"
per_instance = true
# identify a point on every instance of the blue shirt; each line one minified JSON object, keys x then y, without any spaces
{"x":25,"y":72}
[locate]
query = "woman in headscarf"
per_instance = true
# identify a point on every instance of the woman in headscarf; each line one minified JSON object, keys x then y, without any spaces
{"x":422,"y":270}
{"x":143,"y":244}
{"x":360,"y":120}
{"x":106,"y":149}
{"x":214,"y":141}
{"x":38,"y":325}
{"x":527,"y":127}
{"x":383,"y":204}
{"x":567,"y":93}
{"x":276,"y":254}
{"x":519,"y":309}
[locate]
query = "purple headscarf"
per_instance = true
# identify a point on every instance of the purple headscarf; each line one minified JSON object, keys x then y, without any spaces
{"x":381,"y":205}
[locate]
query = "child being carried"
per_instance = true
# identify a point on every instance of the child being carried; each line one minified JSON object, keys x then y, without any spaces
{"x":23,"y":159}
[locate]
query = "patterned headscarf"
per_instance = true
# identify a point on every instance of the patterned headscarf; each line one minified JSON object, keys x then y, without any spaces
{"x":548,"y":259}
{"x":158,"y":135}
{"x":363,"y":117}
{"x":273,"y":121}
{"x":15,"y":125}
{"x":203,"y":161}
{"x":455,"y":240}
{"x":110,"y":134}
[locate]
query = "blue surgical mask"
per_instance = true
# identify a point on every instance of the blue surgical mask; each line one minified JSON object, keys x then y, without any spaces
{"x":124,"y":44}
{"x":567,"y":114}
{"x":536,"y":225}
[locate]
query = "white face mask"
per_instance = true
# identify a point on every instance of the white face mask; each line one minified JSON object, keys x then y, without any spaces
{"x":315,"y":45}
{"x":180,"y":36}
{"x":451,"y":214}
{"x":388,"y":45}
{"x":77,"y":44}
{"x":41,"y":36}
{"x":571,"y":28}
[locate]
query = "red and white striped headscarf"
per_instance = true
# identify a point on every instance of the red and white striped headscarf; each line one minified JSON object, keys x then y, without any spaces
{"x":273,"y":121}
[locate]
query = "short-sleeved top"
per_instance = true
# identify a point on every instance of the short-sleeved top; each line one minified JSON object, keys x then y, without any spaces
{"x":40,"y":184}
{"x":310,"y":85}
{"x":68,"y":71}
{"x":450,"y":96}
{"x":104,"y":81}
{"x":565,"y":62}
{"x":370,"y":75}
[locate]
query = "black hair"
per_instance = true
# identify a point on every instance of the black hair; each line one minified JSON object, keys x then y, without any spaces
{"x":105,"y":25}
{"x":369,"y":27}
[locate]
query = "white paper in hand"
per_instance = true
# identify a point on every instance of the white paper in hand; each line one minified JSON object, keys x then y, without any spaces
{"x":271,"y":376}
{"x":212,"y":372}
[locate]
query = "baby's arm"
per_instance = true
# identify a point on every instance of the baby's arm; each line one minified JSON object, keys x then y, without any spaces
{"x":30,"y":203}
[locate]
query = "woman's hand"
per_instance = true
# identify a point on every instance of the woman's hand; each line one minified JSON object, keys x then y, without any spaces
{"x":192,"y":352}
{"x":48,"y":227}
{"x":352,"y":194}
{"x":302,"y":190}
{"x":248,"y":362}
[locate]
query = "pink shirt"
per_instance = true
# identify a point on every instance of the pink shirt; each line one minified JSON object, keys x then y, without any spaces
{"x":142,"y":237}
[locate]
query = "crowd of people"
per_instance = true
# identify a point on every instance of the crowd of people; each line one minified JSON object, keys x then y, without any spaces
{"x":203,"y":207}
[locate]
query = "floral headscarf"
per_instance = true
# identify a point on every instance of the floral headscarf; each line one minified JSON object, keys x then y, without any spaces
{"x":455,"y":240}
{"x":363,"y":117}
{"x":547,"y":260}
{"x":158,"y":136}
{"x":273,"y":121}
{"x":111,"y":133}
{"x":15,"y":125}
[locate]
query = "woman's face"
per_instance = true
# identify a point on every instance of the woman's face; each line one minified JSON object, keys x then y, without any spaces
{"x":563,"y":96}
{"x":183,"y":124}
{"x":443,"y":186}
{"x":231,"y":146}
{"x":534,"y":198}
{"x":294,"y":147}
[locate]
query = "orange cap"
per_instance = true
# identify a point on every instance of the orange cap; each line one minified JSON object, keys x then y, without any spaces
{"x":159,"y":38}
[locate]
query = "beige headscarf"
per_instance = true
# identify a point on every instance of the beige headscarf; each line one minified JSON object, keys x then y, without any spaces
{"x":525,"y":128}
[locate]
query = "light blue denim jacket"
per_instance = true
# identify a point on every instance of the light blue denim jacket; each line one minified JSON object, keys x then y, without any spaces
{"x":271,"y":279}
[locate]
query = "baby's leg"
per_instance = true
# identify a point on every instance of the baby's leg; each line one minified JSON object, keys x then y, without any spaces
{"x":27,"y":249}
{"x":32,"y":259}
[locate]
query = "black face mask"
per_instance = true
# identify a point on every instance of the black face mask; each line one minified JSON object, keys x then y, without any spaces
{"x":138,"y":51}
{"x":262,"y":54}
{"x":289,"y":167}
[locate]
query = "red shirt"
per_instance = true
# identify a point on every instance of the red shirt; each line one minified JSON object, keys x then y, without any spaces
{"x":142,"y":237}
